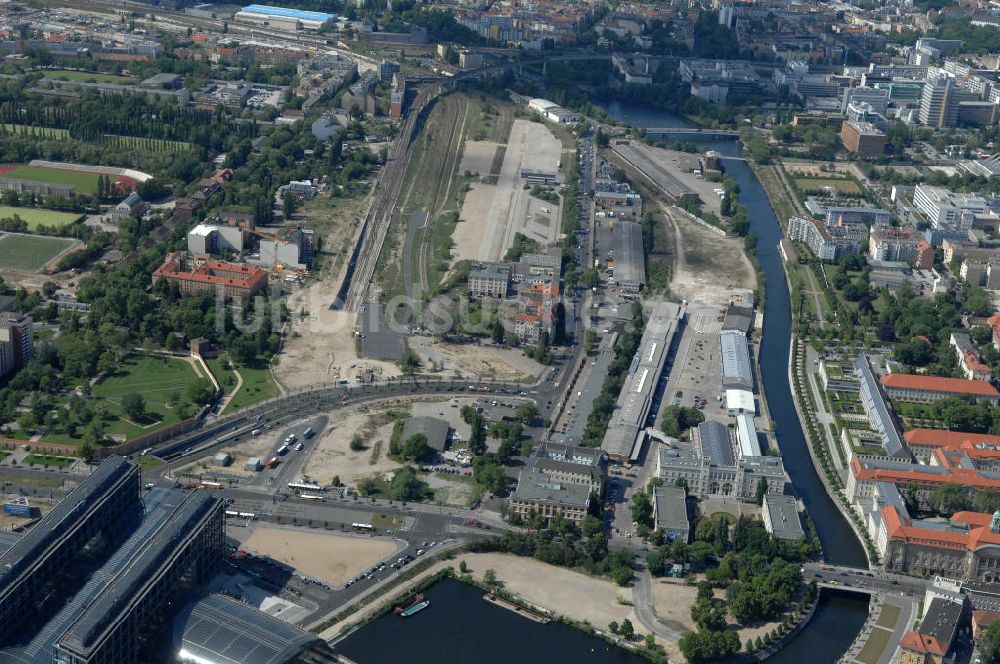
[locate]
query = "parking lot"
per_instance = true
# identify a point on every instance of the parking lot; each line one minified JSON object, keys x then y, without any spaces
{"x":696,"y":374}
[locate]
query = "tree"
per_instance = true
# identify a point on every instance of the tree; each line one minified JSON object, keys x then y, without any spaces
{"x":761,"y":490}
{"x":409,"y":363}
{"x":243,"y":350}
{"x":948,"y":498}
{"x":650,"y":641}
{"x":416,"y":448}
{"x":591,"y":526}
{"x":200,"y":391}
{"x":357,"y":443}
{"x":405,"y":485}
{"x":87,"y":451}
{"x":134,"y":406}
{"x":613,"y":627}
{"x":987,"y":501}
{"x":989,"y":645}
{"x":289,"y":203}
{"x":626,"y":629}
{"x":911,"y":496}
{"x":526,"y":412}
{"x":642,"y":509}
{"x":490,"y":578}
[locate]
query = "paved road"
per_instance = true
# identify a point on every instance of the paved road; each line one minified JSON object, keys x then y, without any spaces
{"x":642,"y":595}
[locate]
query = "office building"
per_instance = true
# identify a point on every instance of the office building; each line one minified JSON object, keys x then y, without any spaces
{"x":871,"y":217}
{"x":205,"y":239}
{"x":670,"y":514}
{"x":877,"y":99}
{"x":715,"y":80}
{"x":539,"y":494}
{"x":96,"y":579}
{"x":289,"y":248}
{"x":863,"y":138}
{"x":940,"y":101}
{"x":16,"y":342}
{"x":945,"y":208}
{"x":878,"y":409}
{"x":781,"y":517}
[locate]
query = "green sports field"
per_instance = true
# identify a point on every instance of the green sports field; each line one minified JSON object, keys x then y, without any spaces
{"x":86,"y":183}
{"x":29,"y":253}
{"x":88,"y":76}
{"x":36,"y":217}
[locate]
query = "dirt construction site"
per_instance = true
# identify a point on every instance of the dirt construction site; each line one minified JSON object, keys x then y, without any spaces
{"x":498,"y":206}
{"x":708,"y":268}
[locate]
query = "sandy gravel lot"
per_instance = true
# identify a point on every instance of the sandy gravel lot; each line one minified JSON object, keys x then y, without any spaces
{"x":708,"y":268}
{"x":492,"y":214}
{"x":672,"y":600}
{"x":334,"y":559}
{"x":563,"y":591}
{"x":332,"y":454}
{"x":478,"y":157}
{"x":477,"y":361}
{"x":324,"y":350}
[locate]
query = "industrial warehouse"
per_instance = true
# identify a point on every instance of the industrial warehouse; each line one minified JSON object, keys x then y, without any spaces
{"x":96,"y":579}
{"x":282,"y":18}
{"x":627,"y":431}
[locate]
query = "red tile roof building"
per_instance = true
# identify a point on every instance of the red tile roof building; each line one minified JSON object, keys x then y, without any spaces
{"x":228,"y":279}
{"x":944,"y":468}
{"x":928,"y":389}
{"x":982,"y":450}
{"x":967,"y":547}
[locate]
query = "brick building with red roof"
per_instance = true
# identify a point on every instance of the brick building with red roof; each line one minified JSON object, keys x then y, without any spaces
{"x":928,"y":389}
{"x":227,"y":279}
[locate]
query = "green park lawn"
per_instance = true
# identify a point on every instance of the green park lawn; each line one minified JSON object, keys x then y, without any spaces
{"x":85,"y":182}
{"x":36,"y":217}
{"x":155,"y":378}
{"x":258,"y":385}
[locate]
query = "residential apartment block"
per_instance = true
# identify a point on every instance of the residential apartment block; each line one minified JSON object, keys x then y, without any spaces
{"x":16,"y":337}
{"x":489,"y":280}
{"x":828,"y":243}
